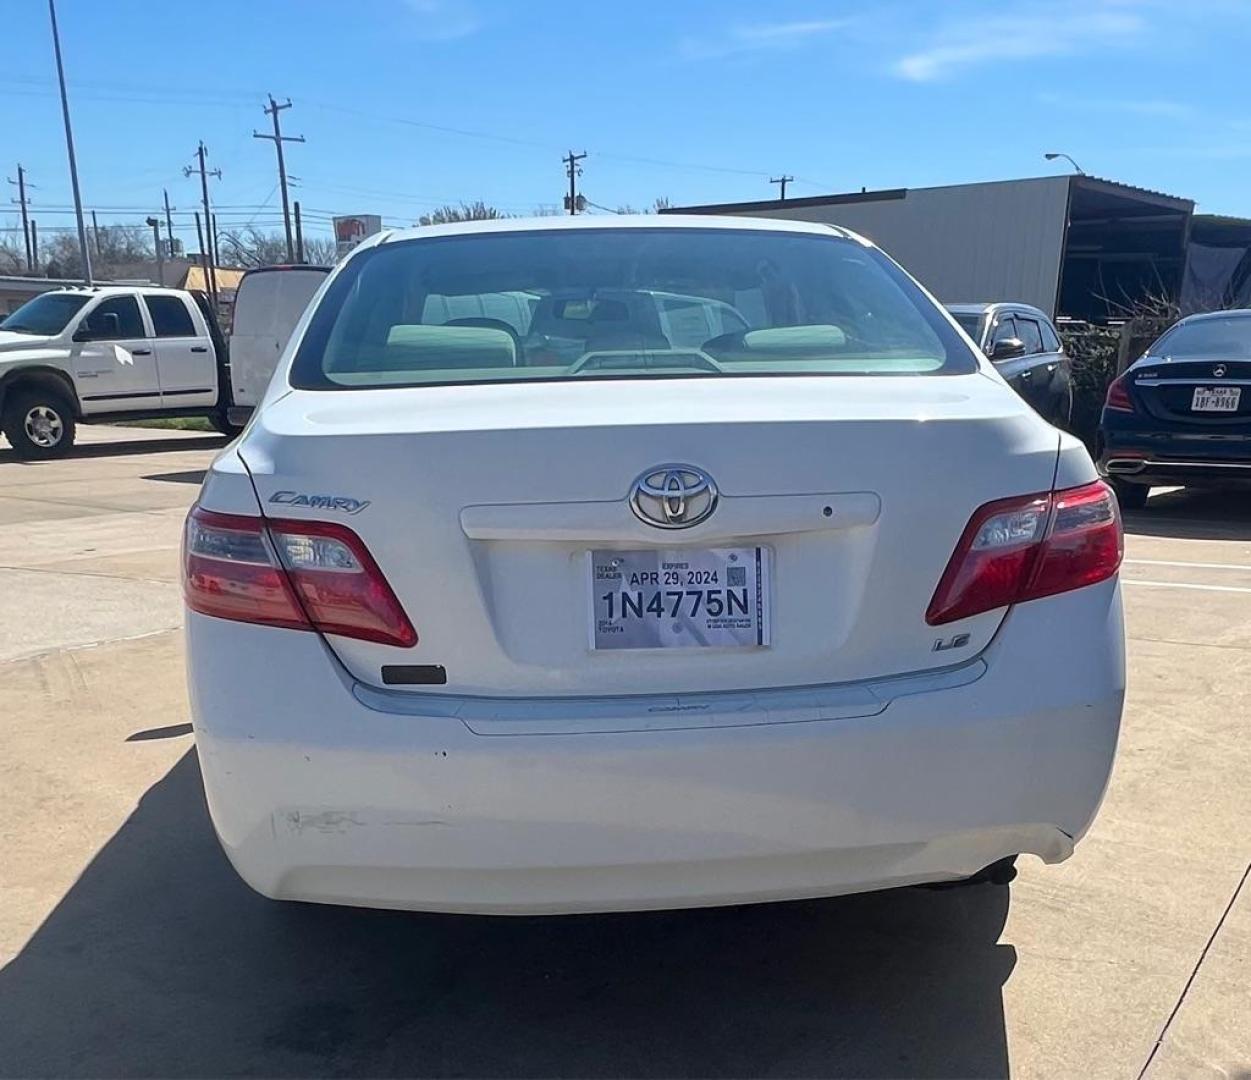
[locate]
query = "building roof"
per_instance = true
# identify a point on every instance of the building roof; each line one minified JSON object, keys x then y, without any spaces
{"x":227,"y":279}
{"x":1082,"y":180}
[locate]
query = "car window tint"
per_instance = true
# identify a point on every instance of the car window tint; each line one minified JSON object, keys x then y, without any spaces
{"x":1027,"y":330}
{"x":1051,"y":342}
{"x":1005,"y":327}
{"x":1222,"y":337}
{"x":170,"y":317}
{"x":129,"y":321}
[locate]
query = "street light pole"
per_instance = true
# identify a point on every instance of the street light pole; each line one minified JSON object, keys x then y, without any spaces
{"x":1076,"y":167}
{"x":84,"y":252}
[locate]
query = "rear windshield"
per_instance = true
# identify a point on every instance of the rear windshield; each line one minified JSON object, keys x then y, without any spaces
{"x":621,"y":303}
{"x":1205,"y":339}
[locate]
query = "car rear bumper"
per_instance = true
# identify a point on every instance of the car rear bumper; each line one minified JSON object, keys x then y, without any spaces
{"x":1133,"y":450}
{"x":319,"y":791}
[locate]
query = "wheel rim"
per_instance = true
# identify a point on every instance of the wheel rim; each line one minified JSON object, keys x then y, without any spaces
{"x":44,"y":426}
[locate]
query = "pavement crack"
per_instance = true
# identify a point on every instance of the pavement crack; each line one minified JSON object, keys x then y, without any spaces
{"x":1203,"y":955}
{"x":1189,"y":644}
{"x":85,"y":573}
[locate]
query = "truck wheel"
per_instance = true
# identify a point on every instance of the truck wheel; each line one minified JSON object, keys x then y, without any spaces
{"x":220,"y":423}
{"x":39,"y":424}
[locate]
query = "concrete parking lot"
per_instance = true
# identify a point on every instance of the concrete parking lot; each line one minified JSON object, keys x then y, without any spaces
{"x":128,"y":946}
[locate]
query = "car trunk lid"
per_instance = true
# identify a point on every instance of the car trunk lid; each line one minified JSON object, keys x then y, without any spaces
{"x":482,"y":506}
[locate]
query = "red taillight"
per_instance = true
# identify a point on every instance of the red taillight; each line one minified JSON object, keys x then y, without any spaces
{"x":1118,"y":396}
{"x":1029,"y":547}
{"x":304,"y":575}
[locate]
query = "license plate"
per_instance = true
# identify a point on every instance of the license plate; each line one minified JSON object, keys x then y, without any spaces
{"x":680,"y":598}
{"x":1216,"y":399}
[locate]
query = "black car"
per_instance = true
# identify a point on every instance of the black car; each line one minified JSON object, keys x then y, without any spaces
{"x":1181,"y":415}
{"x":1025,"y":349}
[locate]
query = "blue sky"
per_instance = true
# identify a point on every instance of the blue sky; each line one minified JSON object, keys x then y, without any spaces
{"x":407,"y":104}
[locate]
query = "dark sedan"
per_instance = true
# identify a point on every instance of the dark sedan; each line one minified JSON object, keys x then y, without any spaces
{"x":1182,"y":414}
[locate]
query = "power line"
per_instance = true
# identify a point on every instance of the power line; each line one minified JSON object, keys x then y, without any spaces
{"x":278,"y":138}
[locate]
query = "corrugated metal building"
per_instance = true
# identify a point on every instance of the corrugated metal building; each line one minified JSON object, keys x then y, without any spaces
{"x":1071,"y":245}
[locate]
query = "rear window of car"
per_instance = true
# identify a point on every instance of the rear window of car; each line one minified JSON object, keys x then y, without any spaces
{"x":1228,"y":338}
{"x":621,"y":303}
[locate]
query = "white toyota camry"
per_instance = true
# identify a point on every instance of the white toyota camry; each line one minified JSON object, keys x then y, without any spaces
{"x":601,"y":564}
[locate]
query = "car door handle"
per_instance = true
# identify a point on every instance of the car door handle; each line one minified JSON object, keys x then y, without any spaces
{"x":1027,"y":373}
{"x":1051,"y":368}
{"x":199,"y":348}
{"x":140,"y":352}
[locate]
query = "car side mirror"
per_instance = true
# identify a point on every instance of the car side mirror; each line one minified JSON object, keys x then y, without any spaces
{"x":97,"y":327}
{"x":1007,"y":349}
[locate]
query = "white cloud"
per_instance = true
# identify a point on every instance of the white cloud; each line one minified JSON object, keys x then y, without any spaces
{"x":759,"y":37}
{"x":443,"y":20}
{"x":1029,"y":31}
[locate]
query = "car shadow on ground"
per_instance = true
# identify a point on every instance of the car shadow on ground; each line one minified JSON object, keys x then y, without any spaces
{"x":1194,"y":514}
{"x":124,"y":448}
{"x":159,"y":961}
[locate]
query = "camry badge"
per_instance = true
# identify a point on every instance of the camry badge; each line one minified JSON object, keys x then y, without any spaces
{"x":673,"y":496}
{"x":342,"y":503}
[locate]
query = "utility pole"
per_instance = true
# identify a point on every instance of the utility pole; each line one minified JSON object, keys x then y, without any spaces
{"x":299,"y":235}
{"x":84,"y":253}
{"x":573,"y":170}
{"x":782,"y":180}
{"x":34,"y":245}
{"x":95,"y":234}
{"x":204,"y":259}
{"x":210,"y":267}
{"x":278,"y":138}
{"x":169,"y":223}
{"x":22,"y":202}
{"x":155,"y":222}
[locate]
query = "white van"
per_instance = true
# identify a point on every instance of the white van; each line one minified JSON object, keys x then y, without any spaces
{"x":268,"y":304}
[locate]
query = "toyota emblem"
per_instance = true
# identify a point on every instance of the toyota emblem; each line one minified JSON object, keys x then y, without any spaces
{"x":1219,"y":371}
{"x":673,"y":496}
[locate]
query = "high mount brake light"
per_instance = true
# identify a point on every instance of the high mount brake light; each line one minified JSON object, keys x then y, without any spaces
{"x":1025,"y":548}
{"x":302,"y":575}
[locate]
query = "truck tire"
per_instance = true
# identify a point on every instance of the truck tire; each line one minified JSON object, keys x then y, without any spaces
{"x":39,"y":423}
{"x":220,"y":422}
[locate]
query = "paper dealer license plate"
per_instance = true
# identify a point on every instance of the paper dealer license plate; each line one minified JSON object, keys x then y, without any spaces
{"x":679,"y":598}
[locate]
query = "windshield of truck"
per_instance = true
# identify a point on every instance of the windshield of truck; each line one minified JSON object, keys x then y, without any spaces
{"x":621,"y":303}
{"x":1227,"y":337}
{"x":46,"y":315}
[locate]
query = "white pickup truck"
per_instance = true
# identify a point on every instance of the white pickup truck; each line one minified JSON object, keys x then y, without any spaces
{"x":85,"y":355}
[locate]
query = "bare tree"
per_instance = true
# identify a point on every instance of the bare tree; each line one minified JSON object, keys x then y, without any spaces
{"x":654,"y":207}
{"x":248,"y":247}
{"x":113,"y":247}
{"x":12,"y":256}
{"x":467,"y":211}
